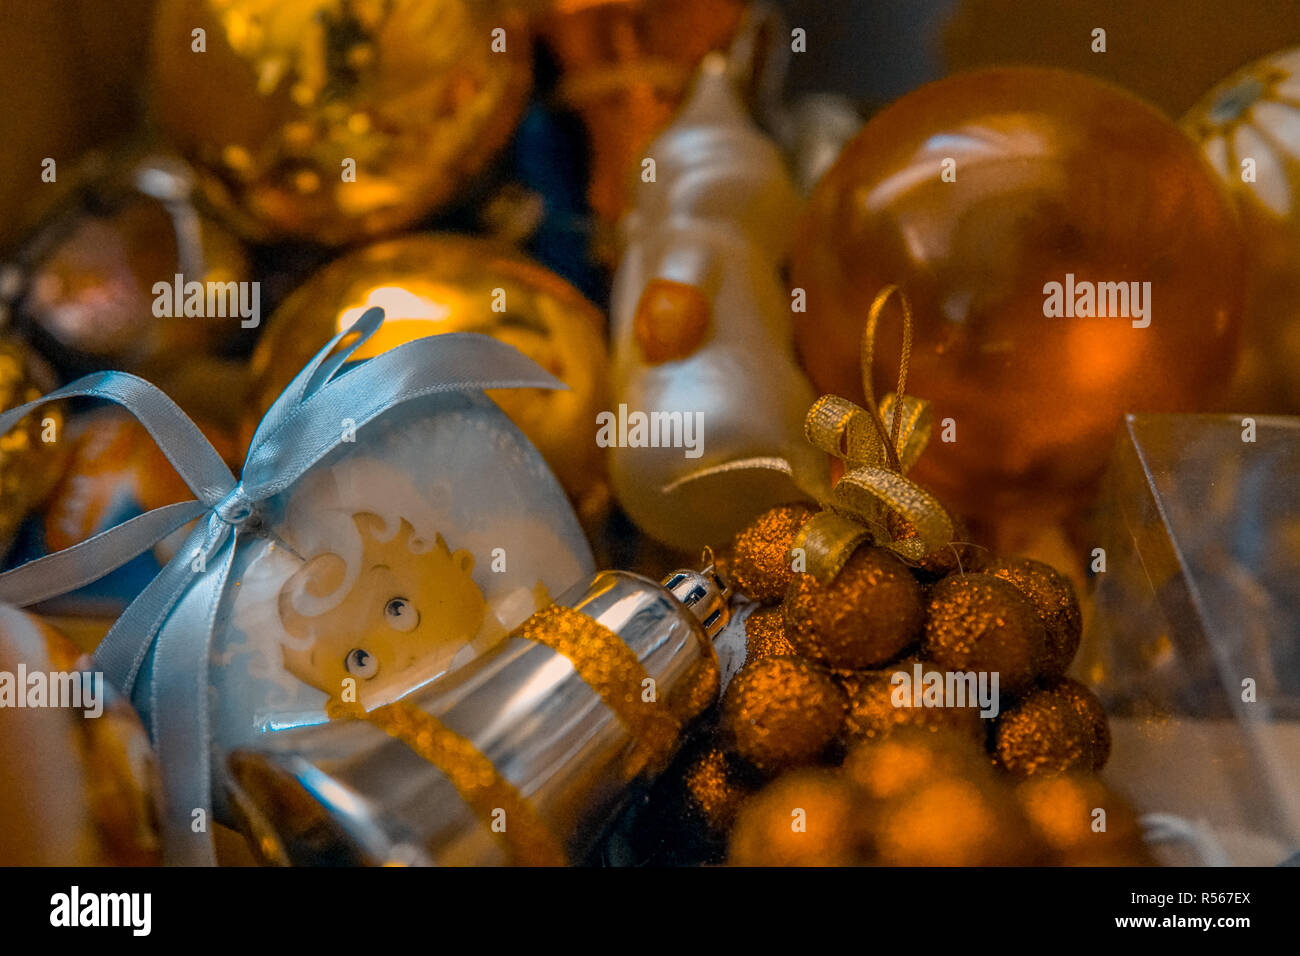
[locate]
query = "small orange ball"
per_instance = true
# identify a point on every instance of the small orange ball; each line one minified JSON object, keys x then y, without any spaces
{"x":760,"y":559}
{"x":781,"y":712}
{"x":805,"y":818}
{"x":873,"y":713}
{"x":1063,"y":811}
{"x":765,"y":635}
{"x":868,"y":614}
{"x":1052,"y":730}
{"x":1053,"y":597}
{"x":976,"y":622}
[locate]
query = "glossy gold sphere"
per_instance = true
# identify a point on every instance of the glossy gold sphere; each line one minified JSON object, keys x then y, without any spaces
{"x":333,"y":122}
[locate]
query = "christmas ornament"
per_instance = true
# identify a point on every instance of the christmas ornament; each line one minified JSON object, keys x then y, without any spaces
{"x":806,"y":818}
{"x":781,"y":712}
{"x":765,"y":635}
{"x":1063,"y":811}
{"x":625,"y":68}
{"x":127,"y":274}
{"x":77,"y":782}
{"x":32,"y":456}
{"x":1056,"y":728}
{"x":761,"y":563}
{"x":702,"y":327}
{"x":1052,"y":595}
{"x":335,"y":122}
{"x":1004,"y":202}
{"x":874,"y":713}
{"x":389,"y":524}
{"x":438,"y":283}
{"x":1248,"y":127}
{"x":523,"y":756}
{"x":870,"y":613}
{"x":977,"y":622}
{"x":717,"y":788}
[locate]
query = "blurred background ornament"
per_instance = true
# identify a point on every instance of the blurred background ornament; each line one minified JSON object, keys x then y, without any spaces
{"x":973,"y":194}
{"x":77,"y":783}
{"x":34,"y":453}
{"x":522,"y":757}
{"x":625,"y":68}
{"x":702,"y":327}
{"x":83,"y":285}
{"x":1248,"y":127}
{"x":335,"y":122}
{"x":436,"y":283}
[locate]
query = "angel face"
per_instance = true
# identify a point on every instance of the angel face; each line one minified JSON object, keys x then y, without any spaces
{"x":409,"y":609}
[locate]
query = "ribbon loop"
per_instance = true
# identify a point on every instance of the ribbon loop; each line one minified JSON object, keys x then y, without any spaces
{"x":878,"y":445}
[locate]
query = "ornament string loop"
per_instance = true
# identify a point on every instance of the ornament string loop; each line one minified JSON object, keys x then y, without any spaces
{"x":878,"y":445}
{"x":300,"y":429}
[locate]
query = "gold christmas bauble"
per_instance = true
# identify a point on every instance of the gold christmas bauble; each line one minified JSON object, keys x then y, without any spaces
{"x":336,"y":121}
{"x":32,"y":453}
{"x":1053,"y":597}
{"x":1248,"y":127}
{"x":780,"y":712}
{"x":807,"y":817}
{"x":890,"y":767}
{"x":428,"y":284}
{"x":760,"y":558}
{"x":976,"y":622}
{"x":868,"y":614}
{"x":1054,"y":729}
{"x":1070,"y":258}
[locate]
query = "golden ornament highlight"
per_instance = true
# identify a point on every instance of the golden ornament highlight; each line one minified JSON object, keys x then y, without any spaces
{"x":335,"y":122}
{"x":434,"y":283}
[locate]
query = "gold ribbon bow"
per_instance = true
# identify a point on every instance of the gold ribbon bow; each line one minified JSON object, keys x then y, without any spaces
{"x":878,"y":445}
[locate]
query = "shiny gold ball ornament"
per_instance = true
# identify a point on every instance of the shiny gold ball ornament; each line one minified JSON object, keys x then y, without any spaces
{"x":1248,"y":127}
{"x":1054,"y":729}
{"x":781,"y":712}
{"x":765,"y":635}
{"x":976,"y":622}
{"x":335,"y":121}
{"x":761,"y":563}
{"x":879,"y":706}
{"x":1059,"y":186}
{"x":869,"y":613}
{"x":808,"y":817}
{"x":32,"y":453}
{"x":1082,"y":821}
{"x":1053,"y":597}
{"x":428,"y":284}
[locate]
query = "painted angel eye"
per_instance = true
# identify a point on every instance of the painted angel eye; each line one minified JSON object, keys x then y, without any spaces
{"x":401,"y":614}
{"x":361,"y":663}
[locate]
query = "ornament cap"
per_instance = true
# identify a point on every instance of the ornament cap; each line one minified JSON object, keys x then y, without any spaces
{"x":705,"y":593}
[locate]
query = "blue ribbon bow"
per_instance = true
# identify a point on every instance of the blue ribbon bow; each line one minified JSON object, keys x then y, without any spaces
{"x":305,"y":424}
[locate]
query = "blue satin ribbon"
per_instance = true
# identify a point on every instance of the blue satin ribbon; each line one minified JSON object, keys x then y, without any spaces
{"x":305,"y":424}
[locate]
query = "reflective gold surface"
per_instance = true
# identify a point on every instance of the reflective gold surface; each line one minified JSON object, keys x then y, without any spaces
{"x":1248,"y":127}
{"x":289,"y":90}
{"x":429,"y":284}
{"x":1055,"y":175}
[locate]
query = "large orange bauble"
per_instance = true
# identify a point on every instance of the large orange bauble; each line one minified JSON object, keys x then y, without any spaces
{"x":1053,"y":175}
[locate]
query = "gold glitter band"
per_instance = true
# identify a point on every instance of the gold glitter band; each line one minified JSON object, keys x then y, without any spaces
{"x":612,"y":670}
{"x":526,"y":837}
